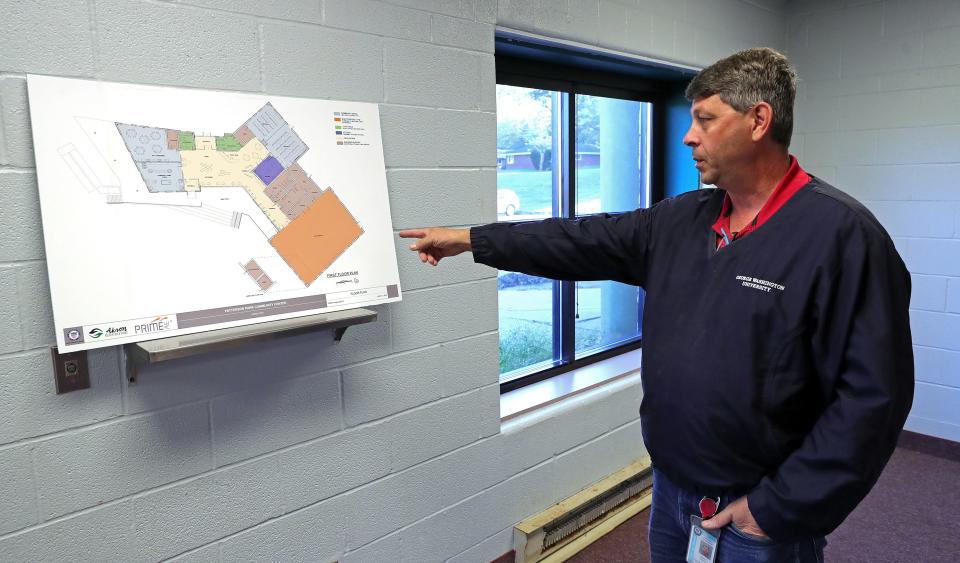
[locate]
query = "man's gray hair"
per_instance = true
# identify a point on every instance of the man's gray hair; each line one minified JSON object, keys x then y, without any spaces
{"x":749,"y":77}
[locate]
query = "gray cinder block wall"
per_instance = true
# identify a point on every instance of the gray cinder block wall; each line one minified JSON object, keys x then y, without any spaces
{"x":385,"y":447}
{"x":878,"y":114}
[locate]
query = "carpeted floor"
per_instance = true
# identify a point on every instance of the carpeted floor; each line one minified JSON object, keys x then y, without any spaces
{"x":909,"y":516}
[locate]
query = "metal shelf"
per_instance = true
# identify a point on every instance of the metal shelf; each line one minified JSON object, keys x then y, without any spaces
{"x":175,"y":347}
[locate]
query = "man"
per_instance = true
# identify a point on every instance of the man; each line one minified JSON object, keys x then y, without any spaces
{"x":777,"y":365}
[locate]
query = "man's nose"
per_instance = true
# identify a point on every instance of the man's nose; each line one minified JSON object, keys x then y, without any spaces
{"x":689,"y":139}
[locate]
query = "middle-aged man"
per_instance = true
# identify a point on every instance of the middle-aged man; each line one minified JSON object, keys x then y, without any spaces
{"x":777,"y":365}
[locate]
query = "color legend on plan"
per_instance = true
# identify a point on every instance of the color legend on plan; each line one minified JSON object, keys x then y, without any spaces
{"x":348,"y":129}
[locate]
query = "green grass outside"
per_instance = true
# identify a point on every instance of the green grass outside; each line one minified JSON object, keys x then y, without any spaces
{"x":532,"y":343}
{"x":534,"y":187}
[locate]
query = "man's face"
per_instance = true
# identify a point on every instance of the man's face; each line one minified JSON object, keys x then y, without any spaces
{"x":720,"y":137}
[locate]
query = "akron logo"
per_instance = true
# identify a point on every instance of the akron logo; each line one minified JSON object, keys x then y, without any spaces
{"x":110,"y":332}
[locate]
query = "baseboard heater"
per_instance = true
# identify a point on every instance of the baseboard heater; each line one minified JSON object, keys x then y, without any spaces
{"x":559,"y":532}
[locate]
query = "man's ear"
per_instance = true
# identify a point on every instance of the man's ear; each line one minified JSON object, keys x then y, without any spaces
{"x":762,"y":115}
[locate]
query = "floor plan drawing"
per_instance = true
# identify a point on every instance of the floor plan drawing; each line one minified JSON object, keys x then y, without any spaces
{"x":313,"y":226}
{"x":291,"y":190}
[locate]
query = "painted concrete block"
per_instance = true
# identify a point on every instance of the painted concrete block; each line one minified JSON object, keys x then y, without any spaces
{"x":443,"y":314}
{"x":403,"y":381}
{"x":488,"y":84}
{"x":62,"y":45}
{"x":489,"y":549}
{"x":36,"y":310}
{"x":936,"y":403}
{"x":488,"y":405}
{"x":454,"y":529}
{"x":198,"y":511}
{"x":313,"y":534}
{"x":953,"y":295}
{"x":663,"y":36}
{"x":457,"y":32}
{"x":423,"y":198}
{"x":20,"y":217}
{"x":627,"y":28}
{"x":18,"y":504}
{"x":939,"y":330}
{"x":938,"y":257}
{"x":919,"y":145}
{"x":453,"y":75}
{"x":354,"y":73}
{"x":903,"y":17}
{"x":377,"y":18}
{"x":466,"y":9}
{"x":435,"y":429}
{"x":462,"y":269}
{"x":470,"y":470}
{"x":940,"y":46}
{"x":384,"y":549}
{"x":217,"y":49}
{"x":921,"y":182}
{"x":517,"y":14}
{"x":928,"y":293}
{"x":315,"y":471}
{"x":12,"y":340}
{"x":278,"y":414}
{"x":582,"y":466}
{"x":470,"y":363}
{"x":422,"y":138}
{"x":840,"y":147}
{"x":920,"y":78}
{"x":17,"y":134}
{"x":582,"y":21}
{"x":380,"y":508}
{"x":935,"y":365}
{"x":914,"y":218}
{"x":103,"y":534}
{"x":208,"y":554}
{"x":304,"y":11}
{"x":129,"y":455}
{"x":902,"y":108}
{"x":30,"y":403}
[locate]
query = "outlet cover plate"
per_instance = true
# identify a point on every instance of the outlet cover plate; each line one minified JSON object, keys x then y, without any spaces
{"x":70,"y":371}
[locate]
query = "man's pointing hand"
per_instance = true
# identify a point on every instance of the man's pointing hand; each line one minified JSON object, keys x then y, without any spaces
{"x":437,"y":243}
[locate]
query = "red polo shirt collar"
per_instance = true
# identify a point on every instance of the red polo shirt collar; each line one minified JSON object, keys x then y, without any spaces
{"x":790,"y":184}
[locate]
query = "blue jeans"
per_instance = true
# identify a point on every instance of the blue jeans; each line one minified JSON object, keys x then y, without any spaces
{"x":670,"y":531}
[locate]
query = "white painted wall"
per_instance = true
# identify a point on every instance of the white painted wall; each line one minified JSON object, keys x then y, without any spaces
{"x":879,"y":116}
{"x":386,"y":447}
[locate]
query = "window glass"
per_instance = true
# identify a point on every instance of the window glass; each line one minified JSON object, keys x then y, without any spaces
{"x":612,"y":168}
{"x":607,"y":313}
{"x":546,"y":323}
{"x":527,"y":186}
{"x":612,"y":164}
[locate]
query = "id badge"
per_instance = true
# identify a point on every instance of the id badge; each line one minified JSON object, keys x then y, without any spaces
{"x":703,"y":543}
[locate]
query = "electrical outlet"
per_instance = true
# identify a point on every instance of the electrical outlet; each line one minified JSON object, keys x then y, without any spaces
{"x":70,"y":371}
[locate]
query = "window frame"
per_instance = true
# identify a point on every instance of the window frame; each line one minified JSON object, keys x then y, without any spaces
{"x":540,"y":74}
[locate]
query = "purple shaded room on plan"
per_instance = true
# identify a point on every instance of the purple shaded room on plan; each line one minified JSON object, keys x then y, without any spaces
{"x":268,"y":170}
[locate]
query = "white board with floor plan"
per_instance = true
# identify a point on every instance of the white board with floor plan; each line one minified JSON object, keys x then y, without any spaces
{"x":170,"y":211}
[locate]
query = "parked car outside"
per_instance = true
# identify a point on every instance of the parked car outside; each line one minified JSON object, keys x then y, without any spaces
{"x":508,"y":203}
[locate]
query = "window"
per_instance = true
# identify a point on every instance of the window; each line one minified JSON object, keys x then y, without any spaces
{"x":569,"y":148}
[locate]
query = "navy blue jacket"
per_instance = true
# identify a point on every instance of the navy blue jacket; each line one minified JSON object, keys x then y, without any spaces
{"x":780,"y":366}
